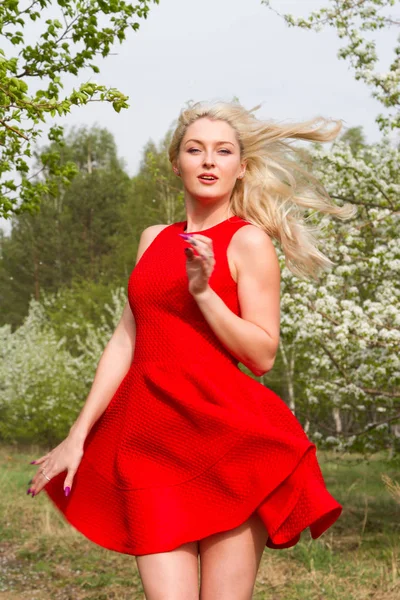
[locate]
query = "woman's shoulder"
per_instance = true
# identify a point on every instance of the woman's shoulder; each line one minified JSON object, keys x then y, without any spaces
{"x":251,"y":234}
{"x":155,"y":228}
{"x":249,"y":241}
{"x":147,"y":237}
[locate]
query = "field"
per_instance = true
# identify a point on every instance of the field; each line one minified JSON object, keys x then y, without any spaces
{"x":43,"y":557}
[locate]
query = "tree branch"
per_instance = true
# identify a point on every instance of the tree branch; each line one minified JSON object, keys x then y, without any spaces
{"x":13,"y":129}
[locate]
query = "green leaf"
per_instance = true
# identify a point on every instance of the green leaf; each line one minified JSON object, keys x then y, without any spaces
{"x":47,"y":62}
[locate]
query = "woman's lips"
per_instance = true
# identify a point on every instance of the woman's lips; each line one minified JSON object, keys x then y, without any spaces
{"x":208,"y":181}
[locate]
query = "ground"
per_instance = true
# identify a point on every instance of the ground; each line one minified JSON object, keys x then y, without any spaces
{"x":358,"y":558}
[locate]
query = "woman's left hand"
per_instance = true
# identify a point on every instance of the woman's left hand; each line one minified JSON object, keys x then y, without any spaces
{"x":199,"y":267}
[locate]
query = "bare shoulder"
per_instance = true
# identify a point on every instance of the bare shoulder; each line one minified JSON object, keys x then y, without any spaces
{"x":250,"y":245}
{"x":147,"y":236}
{"x":253,"y":236}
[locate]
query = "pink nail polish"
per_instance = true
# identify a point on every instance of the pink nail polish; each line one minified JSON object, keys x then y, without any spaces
{"x":32,"y":462}
{"x":67,"y":490}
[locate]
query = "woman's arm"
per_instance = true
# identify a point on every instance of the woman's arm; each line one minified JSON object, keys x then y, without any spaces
{"x":253,"y":338}
{"x":113,"y":365}
{"x":115,"y":360}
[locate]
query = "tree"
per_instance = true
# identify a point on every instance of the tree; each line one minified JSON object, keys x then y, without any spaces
{"x":347,"y":328}
{"x":156,"y":196}
{"x":41,"y":403}
{"x":352,"y":19}
{"x":76,"y":33}
{"x":166,"y":188}
{"x":73,"y":240}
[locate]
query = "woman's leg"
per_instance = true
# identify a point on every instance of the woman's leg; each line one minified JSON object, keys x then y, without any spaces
{"x":229,"y":561}
{"x":171,"y":575}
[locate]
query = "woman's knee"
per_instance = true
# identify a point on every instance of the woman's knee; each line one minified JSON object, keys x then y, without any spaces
{"x":170,"y":575}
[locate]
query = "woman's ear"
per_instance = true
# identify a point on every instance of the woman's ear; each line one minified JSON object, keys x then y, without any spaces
{"x":176,"y":169}
{"x":243,"y":167}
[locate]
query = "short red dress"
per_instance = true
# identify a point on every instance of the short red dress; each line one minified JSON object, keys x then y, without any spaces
{"x":189,"y":444}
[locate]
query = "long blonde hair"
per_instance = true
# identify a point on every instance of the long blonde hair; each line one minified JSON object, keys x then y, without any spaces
{"x":275,"y":189}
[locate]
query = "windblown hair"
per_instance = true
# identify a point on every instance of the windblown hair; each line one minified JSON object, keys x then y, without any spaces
{"x":276,"y":189}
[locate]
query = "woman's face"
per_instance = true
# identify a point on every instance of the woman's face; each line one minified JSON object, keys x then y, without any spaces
{"x":209,"y":147}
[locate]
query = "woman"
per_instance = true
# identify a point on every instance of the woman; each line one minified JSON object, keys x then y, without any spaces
{"x":177,"y":452}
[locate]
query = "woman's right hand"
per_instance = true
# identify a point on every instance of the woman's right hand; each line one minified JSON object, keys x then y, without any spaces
{"x":66,"y":456}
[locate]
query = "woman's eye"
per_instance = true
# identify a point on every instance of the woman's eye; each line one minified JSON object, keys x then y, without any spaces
{"x":192,"y":150}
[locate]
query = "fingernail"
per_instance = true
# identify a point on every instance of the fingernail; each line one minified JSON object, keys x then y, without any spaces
{"x":67,"y":490}
{"x":28,"y":492}
{"x":32,"y":462}
{"x":184,"y":235}
{"x":30,"y":481}
{"x":33,"y":493}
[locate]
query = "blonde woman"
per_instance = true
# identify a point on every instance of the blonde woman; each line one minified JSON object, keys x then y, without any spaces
{"x":177,"y":454}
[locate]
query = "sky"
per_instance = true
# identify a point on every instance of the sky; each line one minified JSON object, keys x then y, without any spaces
{"x":208,"y":50}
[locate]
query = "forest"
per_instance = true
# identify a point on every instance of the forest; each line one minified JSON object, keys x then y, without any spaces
{"x":64,"y":271}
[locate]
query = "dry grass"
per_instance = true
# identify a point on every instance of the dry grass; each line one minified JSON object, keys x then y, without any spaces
{"x":43,"y":557}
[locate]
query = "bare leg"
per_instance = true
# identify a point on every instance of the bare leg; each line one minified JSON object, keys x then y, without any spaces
{"x":170,"y":575}
{"x":229,"y":561}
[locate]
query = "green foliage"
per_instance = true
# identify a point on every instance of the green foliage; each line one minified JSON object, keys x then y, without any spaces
{"x":355,"y":137}
{"x":156,"y":175}
{"x":66,"y":45}
{"x":43,"y":384}
{"x":84,"y":304}
{"x":338,"y":365}
{"x":75,"y":237}
{"x":155,"y":196}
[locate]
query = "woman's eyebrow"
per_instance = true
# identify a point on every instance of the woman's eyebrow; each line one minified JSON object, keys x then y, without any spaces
{"x":200,"y":142}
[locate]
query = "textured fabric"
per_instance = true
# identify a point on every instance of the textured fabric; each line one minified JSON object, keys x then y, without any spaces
{"x":189,"y":445}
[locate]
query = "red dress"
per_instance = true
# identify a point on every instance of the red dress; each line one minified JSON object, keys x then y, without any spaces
{"x":189,"y":445}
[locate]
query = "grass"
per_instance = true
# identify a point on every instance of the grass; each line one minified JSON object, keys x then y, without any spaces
{"x":358,"y":558}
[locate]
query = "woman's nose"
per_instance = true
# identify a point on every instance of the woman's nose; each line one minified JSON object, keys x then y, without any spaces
{"x":209,"y":161}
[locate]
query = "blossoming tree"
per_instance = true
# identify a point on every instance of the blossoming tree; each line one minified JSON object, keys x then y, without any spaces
{"x":340,"y":338}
